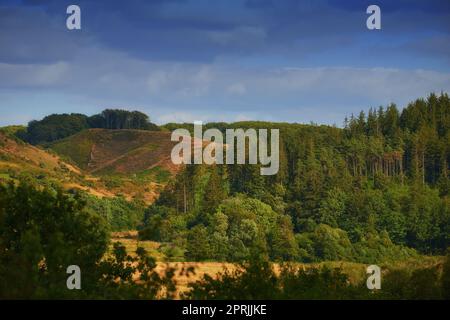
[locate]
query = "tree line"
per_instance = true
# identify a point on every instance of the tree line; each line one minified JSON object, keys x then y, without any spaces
{"x":59,"y":126}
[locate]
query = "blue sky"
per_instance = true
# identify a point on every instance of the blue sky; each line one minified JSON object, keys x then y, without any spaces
{"x":186,"y":60}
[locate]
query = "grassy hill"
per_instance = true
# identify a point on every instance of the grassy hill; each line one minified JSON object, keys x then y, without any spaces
{"x":20,"y":159}
{"x":16,"y":155}
{"x":133,"y":164}
{"x":120,"y":172}
{"x":105,"y":151}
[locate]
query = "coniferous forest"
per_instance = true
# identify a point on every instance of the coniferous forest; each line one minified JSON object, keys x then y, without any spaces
{"x":375,"y":190}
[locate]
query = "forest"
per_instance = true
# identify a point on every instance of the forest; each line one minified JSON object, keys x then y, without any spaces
{"x":375,"y":191}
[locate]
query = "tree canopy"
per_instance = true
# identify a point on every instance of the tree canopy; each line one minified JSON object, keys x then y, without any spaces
{"x":59,"y":126}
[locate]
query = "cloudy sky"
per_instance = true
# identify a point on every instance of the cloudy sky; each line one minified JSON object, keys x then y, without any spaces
{"x":186,"y":60}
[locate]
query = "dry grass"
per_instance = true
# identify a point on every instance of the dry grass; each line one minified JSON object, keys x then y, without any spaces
{"x":130,"y":241}
{"x":183,"y":277}
{"x":355,"y":271}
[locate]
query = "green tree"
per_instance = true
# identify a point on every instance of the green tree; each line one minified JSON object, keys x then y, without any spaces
{"x":198,"y":247}
{"x":43,"y":231}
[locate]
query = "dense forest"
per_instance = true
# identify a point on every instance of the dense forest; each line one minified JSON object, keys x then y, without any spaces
{"x":59,"y":126}
{"x":375,"y":190}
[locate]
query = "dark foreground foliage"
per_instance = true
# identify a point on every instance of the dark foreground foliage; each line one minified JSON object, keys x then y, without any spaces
{"x":42,"y":232}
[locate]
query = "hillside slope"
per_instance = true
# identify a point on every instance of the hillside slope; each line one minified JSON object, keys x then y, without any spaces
{"x":20,"y":159}
{"x":103,"y":151}
{"x":133,"y":163}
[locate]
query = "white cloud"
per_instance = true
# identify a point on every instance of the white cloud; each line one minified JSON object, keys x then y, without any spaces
{"x":157,"y":81}
{"x":180,"y":116}
{"x":38,"y":75}
{"x":180,"y":80}
{"x":243,"y":36}
{"x":218,"y":91}
{"x":237,"y":89}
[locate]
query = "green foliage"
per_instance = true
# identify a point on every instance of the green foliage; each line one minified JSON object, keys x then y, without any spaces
{"x":239,"y":227}
{"x":55,"y":127}
{"x":77,"y":148}
{"x":59,"y":126}
{"x":162,"y":224}
{"x":42,"y":232}
{"x":446,"y":277}
{"x":326,"y":243}
{"x":119,"y":213}
{"x":374,"y":191}
{"x":419,"y":284}
{"x":121,"y":119}
{"x":255,"y":280}
{"x":118,"y":273}
{"x":17,"y":133}
{"x":198,"y":247}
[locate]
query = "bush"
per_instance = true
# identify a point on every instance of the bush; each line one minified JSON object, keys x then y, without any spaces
{"x":43,"y":231}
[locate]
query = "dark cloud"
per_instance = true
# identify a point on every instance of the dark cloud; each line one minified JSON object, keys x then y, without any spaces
{"x":406,"y":6}
{"x":202,"y":31}
{"x":31,"y":35}
{"x":196,"y":58}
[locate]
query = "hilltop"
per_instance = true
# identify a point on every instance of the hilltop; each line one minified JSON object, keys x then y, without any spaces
{"x":117,"y":172}
{"x":113,"y":153}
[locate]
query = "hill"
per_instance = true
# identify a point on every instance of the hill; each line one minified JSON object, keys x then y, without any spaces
{"x":119,"y":172}
{"x":104,"y":151}
{"x":19,"y":160}
{"x":133,"y":163}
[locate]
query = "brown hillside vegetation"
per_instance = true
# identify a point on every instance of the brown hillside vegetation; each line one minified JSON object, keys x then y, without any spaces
{"x":25,"y":153}
{"x":132,"y":163}
{"x":103,"y":151}
{"x":19,"y":158}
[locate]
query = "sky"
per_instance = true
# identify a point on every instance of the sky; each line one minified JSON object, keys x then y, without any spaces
{"x":222,"y":60}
